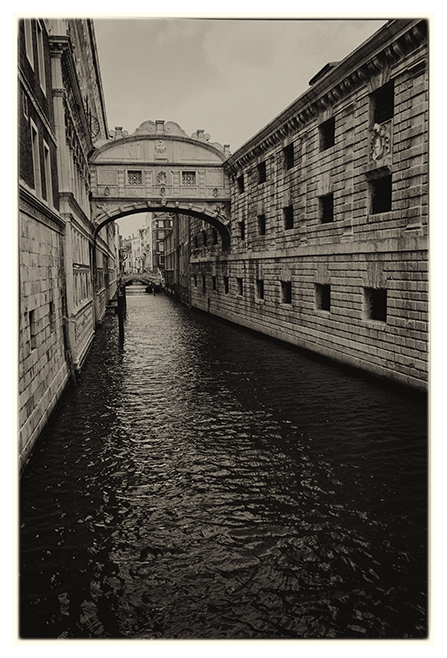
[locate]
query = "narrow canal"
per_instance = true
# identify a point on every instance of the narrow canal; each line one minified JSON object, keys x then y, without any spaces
{"x":205,"y":482}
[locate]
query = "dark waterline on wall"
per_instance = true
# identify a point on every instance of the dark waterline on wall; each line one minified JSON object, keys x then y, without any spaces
{"x":204,"y":482}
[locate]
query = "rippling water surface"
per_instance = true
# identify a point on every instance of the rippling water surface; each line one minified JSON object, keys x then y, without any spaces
{"x":205,"y":482}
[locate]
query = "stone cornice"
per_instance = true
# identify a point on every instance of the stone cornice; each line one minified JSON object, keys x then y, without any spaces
{"x":70,"y":200}
{"x":385,"y":48}
{"x":41,"y":211}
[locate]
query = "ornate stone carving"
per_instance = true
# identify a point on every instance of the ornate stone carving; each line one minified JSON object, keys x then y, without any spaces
{"x":160,"y":147}
{"x":380,"y":141}
{"x":118,"y":133}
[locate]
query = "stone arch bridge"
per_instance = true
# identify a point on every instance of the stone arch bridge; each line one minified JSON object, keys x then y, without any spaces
{"x":159,"y":168}
{"x":144,"y":278}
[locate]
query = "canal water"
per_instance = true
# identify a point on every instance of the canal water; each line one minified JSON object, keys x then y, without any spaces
{"x":204,"y":482}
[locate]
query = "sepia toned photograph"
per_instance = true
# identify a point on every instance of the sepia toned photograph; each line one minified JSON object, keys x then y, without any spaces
{"x":222,"y":328}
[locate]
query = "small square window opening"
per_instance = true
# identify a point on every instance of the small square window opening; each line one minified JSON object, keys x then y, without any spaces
{"x":323,"y":297}
{"x":286,"y":292}
{"x":327,"y":208}
{"x":376,"y":304}
{"x":289,"y":158}
{"x":327,"y":134}
{"x":383,"y":100}
{"x":381,"y":194}
{"x":288,"y":217}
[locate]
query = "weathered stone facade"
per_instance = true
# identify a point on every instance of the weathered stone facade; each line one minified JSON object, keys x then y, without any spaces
{"x":329,"y":215}
{"x":60,"y":114}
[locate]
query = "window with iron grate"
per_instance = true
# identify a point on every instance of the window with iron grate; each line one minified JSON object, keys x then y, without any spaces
{"x":260,"y":288}
{"x":189,"y":178}
{"x":135,"y":178}
{"x":261,"y":224}
{"x":262,"y":172}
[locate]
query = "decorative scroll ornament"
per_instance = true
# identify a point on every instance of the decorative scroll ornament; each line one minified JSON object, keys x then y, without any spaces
{"x":380,"y":141}
{"x":162,"y":178}
{"x":215,"y":191}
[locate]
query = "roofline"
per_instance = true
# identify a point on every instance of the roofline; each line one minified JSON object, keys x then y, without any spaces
{"x":383,"y":37}
{"x":109,"y":144}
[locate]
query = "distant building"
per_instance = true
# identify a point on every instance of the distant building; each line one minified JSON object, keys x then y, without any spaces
{"x":161,"y":224}
{"x":177,"y":254}
{"x":126,"y":255}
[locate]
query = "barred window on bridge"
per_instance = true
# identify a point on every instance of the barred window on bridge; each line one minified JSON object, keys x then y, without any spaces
{"x":135,"y":178}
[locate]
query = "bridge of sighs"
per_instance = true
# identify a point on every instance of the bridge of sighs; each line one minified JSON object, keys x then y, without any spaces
{"x":159,"y":168}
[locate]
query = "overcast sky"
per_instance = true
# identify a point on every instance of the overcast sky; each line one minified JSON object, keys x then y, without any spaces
{"x":227,"y":77}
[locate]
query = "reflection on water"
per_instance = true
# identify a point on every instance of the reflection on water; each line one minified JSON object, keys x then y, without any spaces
{"x":204,"y":482}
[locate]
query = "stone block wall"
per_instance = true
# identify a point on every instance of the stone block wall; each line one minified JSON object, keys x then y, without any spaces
{"x":329,"y":249}
{"x":43,"y":368}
